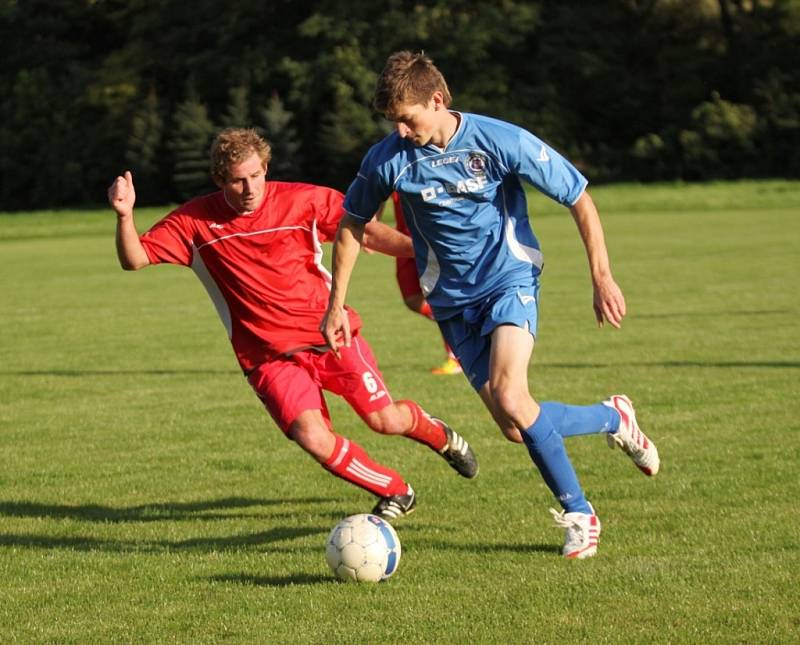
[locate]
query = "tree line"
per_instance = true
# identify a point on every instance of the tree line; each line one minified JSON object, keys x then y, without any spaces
{"x":636,"y":90}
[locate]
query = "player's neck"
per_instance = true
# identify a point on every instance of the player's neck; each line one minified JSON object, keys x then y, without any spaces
{"x":450,"y":122}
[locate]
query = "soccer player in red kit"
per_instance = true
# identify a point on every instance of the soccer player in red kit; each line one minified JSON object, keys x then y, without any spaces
{"x":256,"y":247}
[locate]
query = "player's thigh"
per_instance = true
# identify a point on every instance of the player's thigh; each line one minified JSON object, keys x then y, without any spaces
{"x":508,"y":376}
{"x":510,"y":355}
{"x":287,"y":389}
{"x":355,"y":377}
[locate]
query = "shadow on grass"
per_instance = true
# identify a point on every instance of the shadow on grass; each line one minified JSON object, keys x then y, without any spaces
{"x":147,"y":512}
{"x":268,"y":541}
{"x":195,"y":511}
{"x":259,"y":541}
{"x":273,"y":581}
{"x":514,"y":548}
{"x":478,"y":548}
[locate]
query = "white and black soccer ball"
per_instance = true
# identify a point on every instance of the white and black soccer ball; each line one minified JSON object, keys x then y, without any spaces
{"x":363,"y":548}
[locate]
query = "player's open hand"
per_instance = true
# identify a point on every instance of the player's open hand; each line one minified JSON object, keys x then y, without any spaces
{"x":122,"y":195}
{"x":609,"y":303}
{"x":335,"y":328}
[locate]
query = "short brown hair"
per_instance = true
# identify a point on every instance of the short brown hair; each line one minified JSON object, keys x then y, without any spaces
{"x":234,"y":145}
{"x":408,"y":78}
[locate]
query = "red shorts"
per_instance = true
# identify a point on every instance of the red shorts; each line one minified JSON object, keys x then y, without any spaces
{"x":407,"y":277}
{"x":289,"y":385}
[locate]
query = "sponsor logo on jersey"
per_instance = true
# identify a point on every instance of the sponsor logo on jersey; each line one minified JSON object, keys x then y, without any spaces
{"x":378,"y":395}
{"x":543,"y":156}
{"x":215,"y":225}
{"x":461,"y":187}
{"x":476,"y":164}
{"x":443,"y":161}
{"x":525,"y":300}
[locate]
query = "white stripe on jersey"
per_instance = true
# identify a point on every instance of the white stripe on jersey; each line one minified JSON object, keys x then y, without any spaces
{"x":220,"y":304}
{"x":429,"y":277}
{"x":249,"y":233}
{"x":381,"y":385}
{"x":521,"y":252}
{"x":318,"y":256}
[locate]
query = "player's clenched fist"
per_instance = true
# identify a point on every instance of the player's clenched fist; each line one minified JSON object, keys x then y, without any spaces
{"x":122,"y":195}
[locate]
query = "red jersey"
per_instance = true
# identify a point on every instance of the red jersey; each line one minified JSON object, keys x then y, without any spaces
{"x":263,"y":270}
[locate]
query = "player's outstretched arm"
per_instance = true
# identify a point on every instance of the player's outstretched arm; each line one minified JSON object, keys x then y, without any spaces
{"x":608,"y":301}
{"x":335,"y":326}
{"x":122,"y":197}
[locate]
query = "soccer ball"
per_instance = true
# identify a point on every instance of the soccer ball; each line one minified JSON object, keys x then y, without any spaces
{"x":363,"y":548}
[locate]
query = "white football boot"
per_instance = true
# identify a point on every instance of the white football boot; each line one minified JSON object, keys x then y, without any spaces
{"x":630,"y":438}
{"x":582,"y":533}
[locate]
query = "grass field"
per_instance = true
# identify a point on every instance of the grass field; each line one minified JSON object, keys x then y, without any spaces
{"x":145,"y":496}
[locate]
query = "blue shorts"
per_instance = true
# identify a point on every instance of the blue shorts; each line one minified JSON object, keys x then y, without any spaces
{"x":469,"y":333}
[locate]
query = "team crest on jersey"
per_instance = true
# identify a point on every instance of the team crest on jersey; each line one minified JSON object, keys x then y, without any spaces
{"x":476,"y":164}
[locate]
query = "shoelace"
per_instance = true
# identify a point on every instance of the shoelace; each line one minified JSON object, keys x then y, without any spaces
{"x":573,"y":528}
{"x":558,"y":518}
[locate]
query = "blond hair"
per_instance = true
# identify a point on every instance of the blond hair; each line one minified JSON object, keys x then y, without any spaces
{"x":234,"y":145}
{"x":408,"y":78}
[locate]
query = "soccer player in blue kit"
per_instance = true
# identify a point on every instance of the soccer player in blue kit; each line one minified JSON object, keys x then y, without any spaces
{"x":459,"y":177}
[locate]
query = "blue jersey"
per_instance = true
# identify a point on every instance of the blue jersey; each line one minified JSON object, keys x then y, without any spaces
{"x":465,"y":206}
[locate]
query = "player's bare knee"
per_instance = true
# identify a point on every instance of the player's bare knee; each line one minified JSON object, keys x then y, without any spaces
{"x":508,"y":401}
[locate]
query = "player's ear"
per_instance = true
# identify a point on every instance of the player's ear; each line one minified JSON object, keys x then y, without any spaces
{"x":438,"y":100}
{"x":219,"y":182}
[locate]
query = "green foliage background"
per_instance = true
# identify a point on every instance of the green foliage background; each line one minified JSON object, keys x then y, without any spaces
{"x":628,"y":89}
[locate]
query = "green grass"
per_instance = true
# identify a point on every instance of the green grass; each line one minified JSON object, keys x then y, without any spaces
{"x":145,"y":496}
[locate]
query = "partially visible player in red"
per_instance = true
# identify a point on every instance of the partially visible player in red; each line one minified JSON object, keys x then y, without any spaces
{"x":256,"y":247}
{"x":410,"y":289}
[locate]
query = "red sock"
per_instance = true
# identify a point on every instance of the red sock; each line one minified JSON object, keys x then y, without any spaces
{"x":424,"y":429}
{"x":350,"y":462}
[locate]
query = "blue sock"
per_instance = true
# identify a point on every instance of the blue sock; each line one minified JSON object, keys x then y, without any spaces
{"x":546,"y":447}
{"x":574,"y":420}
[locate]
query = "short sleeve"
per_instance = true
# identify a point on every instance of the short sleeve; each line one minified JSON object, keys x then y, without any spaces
{"x":328,"y":212}
{"x":369,"y":189}
{"x":169,"y":241}
{"x":545,"y":169}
